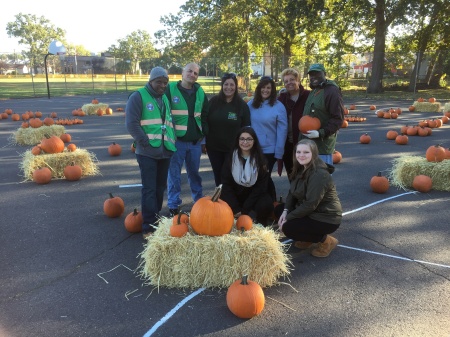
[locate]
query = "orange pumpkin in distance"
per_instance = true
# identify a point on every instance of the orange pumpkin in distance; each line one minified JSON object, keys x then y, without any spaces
{"x":379,"y":183}
{"x":245,"y":298}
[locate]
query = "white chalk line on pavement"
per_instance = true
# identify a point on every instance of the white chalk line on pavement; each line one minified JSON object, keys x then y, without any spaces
{"x":195,"y":293}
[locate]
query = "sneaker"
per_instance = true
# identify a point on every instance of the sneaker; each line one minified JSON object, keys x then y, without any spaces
{"x":324,"y":248}
{"x":302,"y":244}
{"x":173,"y":211}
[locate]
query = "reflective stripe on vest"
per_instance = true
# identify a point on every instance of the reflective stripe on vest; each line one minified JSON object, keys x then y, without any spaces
{"x":152,"y":123}
{"x":180,"y":111}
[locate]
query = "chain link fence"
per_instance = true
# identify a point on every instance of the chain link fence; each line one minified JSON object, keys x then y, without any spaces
{"x":96,"y":75}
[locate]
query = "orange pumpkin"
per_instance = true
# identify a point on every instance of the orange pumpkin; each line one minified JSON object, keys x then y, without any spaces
{"x":42,"y":175}
{"x":36,"y":150}
{"x":337,"y":157}
{"x":108,"y":111}
{"x":401,"y":139}
{"x":435,"y":153}
{"x":133,"y":222}
{"x":65,"y":137}
{"x":211,"y":215}
{"x":365,"y":139}
{"x":49,"y":121}
{"x":245,"y":298}
{"x":379,"y":183}
{"x":307,"y":123}
{"x":71,"y":147}
{"x":114,"y":149}
{"x":99,"y":112}
{"x":352,"y":107}
{"x":411,"y":108}
{"x":94,"y":101}
{"x":422,"y":183}
{"x":113,"y":206}
{"x":244,"y":223}
{"x":432,"y":100}
{"x":72,"y":172}
{"x":391,"y":134}
{"x":52,"y":144}
{"x":179,"y":225}
{"x":372,"y":107}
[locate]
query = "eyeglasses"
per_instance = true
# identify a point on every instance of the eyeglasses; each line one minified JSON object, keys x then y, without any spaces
{"x":228,"y":75}
{"x":246,"y":140}
{"x":266,"y":78}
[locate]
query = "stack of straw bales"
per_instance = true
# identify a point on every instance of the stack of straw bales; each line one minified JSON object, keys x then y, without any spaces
{"x":213,"y":262}
{"x":447,"y":107}
{"x":58,"y":161}
{"x":91,"y":109}
{"x":405,"y":168}
{"x":427,"y":106}
{"x":33,"y":136}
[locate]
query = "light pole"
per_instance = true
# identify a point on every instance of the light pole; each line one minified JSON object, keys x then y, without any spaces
{"x":55,"y":48}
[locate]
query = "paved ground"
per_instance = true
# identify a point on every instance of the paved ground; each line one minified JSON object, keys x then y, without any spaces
{"x":67,"y":269}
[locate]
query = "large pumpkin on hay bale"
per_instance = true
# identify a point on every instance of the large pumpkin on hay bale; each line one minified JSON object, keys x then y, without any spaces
{"x":435,"y":153}
{"x":245,"y":298}
{"x":52,"y":144}
{"x":211,"y":215}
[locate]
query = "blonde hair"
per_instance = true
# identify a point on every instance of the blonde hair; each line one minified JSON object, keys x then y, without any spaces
{"x":290,"y":71}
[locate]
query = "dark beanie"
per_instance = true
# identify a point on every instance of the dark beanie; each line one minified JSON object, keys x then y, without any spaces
{"x":158,"y":72}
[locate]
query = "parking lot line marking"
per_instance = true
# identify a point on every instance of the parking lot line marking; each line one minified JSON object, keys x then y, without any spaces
{"x":377,"y":202}
{"x":394,"y":256}
{"x":173,"y":311}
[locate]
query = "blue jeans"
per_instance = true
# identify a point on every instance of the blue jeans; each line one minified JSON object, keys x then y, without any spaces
{"x":327,"y":158}
{"x":153,"y":177}
{"x":189,"y":154}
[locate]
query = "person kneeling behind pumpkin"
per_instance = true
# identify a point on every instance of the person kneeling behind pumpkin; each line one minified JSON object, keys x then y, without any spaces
{"x":312,"y":210}
{"x":245,"y":178}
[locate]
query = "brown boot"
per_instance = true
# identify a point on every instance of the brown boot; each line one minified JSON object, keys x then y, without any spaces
{"x":302,"y":244}
{"x":324,"y":248}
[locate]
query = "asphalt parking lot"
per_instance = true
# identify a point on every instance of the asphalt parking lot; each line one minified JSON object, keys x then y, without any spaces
{"x":68,"y":270}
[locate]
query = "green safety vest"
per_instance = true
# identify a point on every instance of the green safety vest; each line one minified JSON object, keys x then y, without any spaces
{"x":152,"y":124}
{"x":180,"y":111}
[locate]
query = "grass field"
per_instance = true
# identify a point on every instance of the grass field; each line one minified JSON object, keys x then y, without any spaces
{"x":26,"y":86}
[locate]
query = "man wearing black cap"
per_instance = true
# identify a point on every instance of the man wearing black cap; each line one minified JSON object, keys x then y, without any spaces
{"x":148,"y":119}
{"x":324,"y":102}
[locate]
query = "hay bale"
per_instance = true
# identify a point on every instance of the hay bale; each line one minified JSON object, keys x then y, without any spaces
{"x":33,"y":136}
{"x":405,"y":168}
{"x":427,"y":106}
{"x":58,"y":161}
{"x":91,"y":109}
{"x":213,"y":262}
{"x":447,"y":107}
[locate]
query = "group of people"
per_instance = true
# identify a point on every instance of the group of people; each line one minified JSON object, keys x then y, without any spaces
{"x":173,"y":123}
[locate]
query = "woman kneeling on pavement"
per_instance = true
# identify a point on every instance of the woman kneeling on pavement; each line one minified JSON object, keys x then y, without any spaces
{"x":312,"y":210}
{"x":245,"y":178}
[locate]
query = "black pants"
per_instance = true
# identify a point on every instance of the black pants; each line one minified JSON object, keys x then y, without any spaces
{"x":270,"y":157}
{"x":217,"y":159}
{"x":305,"y":229}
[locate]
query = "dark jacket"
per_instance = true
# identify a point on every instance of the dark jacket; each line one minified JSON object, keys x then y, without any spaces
{"x":238,"y":197}
{"x":295,"y":109}
{"x":314,"y":196}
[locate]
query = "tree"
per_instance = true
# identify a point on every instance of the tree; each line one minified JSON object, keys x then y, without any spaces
{"x":36,"y":34}
{"x":133,"y":47}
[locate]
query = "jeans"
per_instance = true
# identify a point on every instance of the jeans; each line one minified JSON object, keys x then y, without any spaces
{"x":153,"y":177}
{"x":189,"y":154}
{"x":327,"y":158}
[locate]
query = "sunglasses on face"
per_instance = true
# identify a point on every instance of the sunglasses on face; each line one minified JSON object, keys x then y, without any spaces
{"x":229,"y":75}
{"x":266,"y":78}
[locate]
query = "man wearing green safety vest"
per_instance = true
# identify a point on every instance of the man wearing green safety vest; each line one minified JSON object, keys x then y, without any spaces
{"x":189,"y":106}
{"x":149,"y":121}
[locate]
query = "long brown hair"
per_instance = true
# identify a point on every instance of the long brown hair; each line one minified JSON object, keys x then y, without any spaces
{"x":256,"y":152}
{"x":258,"y":100}
{"x":304,"y":170}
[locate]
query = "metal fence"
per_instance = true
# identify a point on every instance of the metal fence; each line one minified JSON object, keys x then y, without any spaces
{"x":95,"y":75}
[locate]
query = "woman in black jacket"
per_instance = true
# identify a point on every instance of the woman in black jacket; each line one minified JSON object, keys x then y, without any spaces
{"x":245,"y":178}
